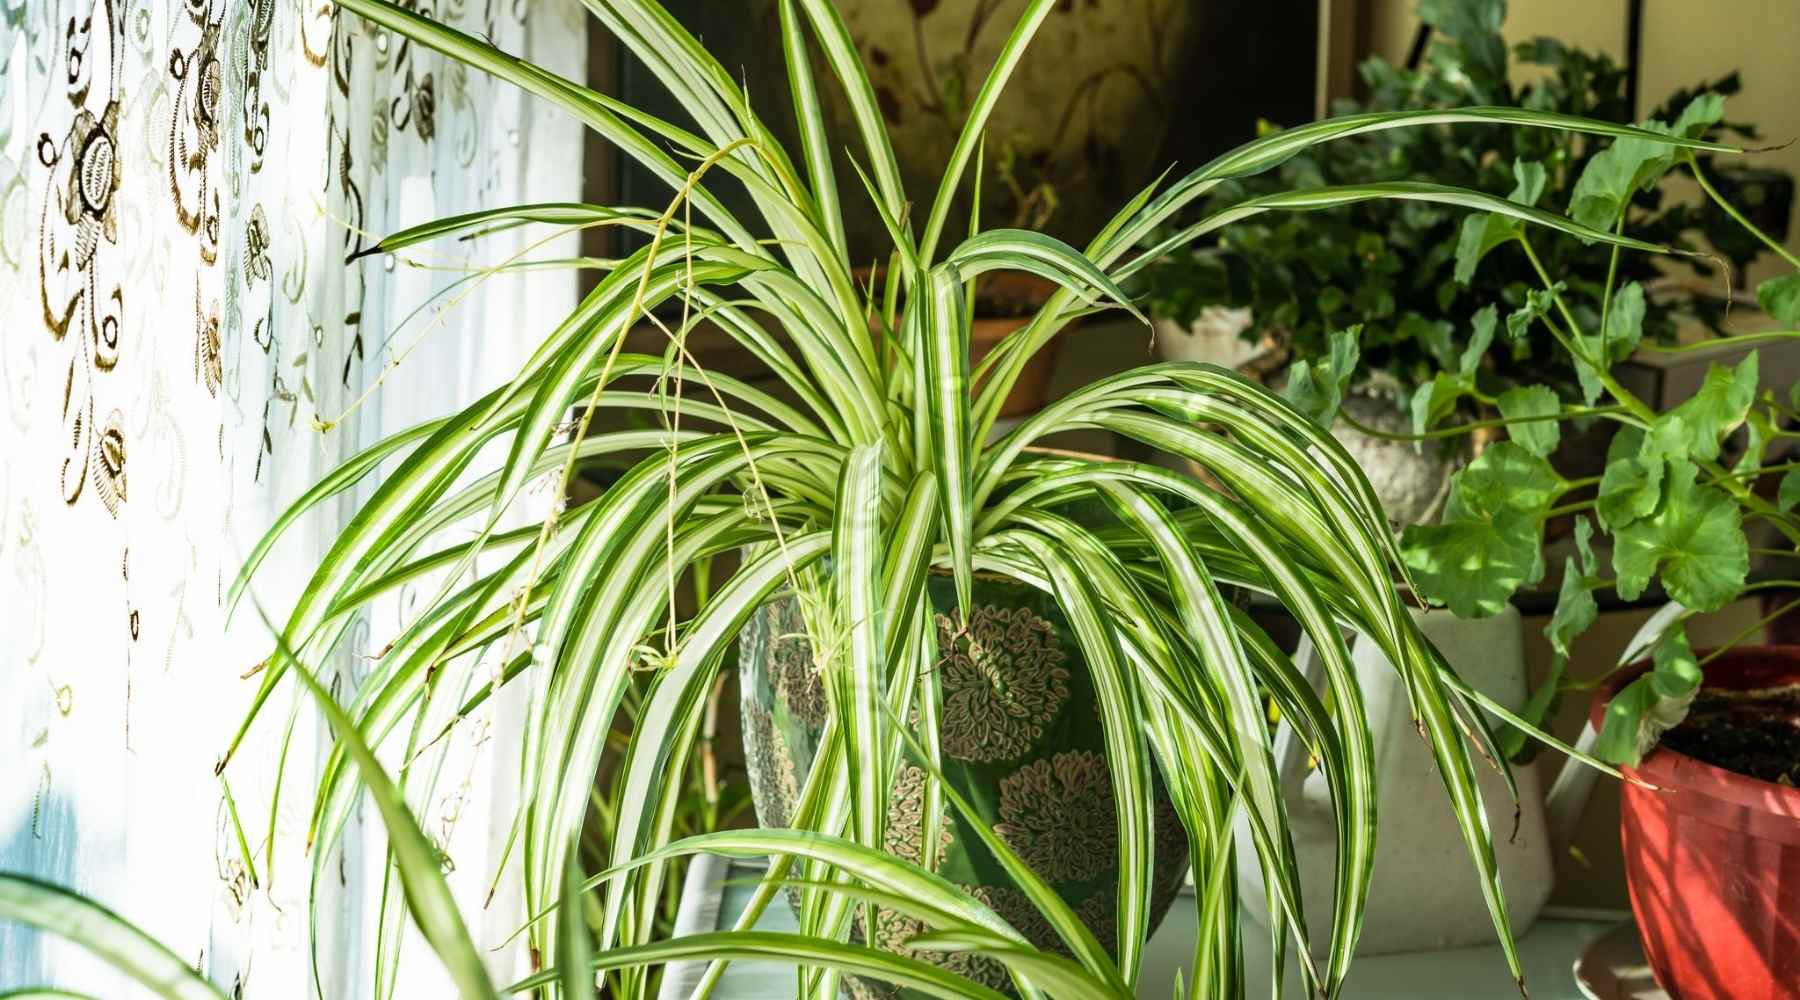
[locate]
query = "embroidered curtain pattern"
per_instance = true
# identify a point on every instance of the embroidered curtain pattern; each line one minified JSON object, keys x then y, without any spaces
{"x":183,"y":350}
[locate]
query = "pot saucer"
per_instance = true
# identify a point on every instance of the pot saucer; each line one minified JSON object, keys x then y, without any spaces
{"x":1613,"y":967}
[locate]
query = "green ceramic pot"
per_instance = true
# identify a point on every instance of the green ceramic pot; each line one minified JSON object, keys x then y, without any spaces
{"x":1020,"y":738}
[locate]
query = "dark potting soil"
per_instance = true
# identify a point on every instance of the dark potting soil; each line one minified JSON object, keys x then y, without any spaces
{"x":1755,"y":733}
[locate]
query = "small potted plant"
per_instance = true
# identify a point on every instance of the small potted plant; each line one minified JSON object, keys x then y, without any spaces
{"x":1710,"y":741}
{"x":1407,"y":273}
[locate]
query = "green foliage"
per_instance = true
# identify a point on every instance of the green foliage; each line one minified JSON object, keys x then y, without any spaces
{"x":1481,"y":233}
{"x":1652,"y":704}
{"x":1531,"y":413}
{"x":1316,"y":388}
{"x":1675,"y":516}
{"x":1628,"y":167}
{"x":1695,"y":428}
{"x":1575,"y":610}
{"x":104,"y":935}
{"x":1403,"y":273}
{"x":1631,"y":485}
{"x":1438,"y":398}
{"x":1695,"y":538}
{"x":1780,"y":298}
{"x":1486,"y":545}
{"x":1788,"y":498}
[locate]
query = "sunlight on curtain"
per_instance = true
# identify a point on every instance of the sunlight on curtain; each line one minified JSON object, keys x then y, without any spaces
{"x":180,"y":184}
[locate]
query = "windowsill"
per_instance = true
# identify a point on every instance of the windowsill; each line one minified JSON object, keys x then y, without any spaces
{"x":717,"y":889}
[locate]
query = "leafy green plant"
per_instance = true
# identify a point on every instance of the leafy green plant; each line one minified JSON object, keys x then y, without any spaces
{"x":1408,"y":273}
{"x":1681,"y":487}
{"x":877,"y":464}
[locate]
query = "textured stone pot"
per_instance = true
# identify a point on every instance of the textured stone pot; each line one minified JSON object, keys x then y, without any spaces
{"x":1020,"y":738}
{"x":1412,"y":483}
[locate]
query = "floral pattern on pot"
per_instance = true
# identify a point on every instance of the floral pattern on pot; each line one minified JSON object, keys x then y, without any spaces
{"x":1020,"y":737}
{"x":905,"y":836}
{"x":1014,"y":907}
{"x":1100,"y":912}
{"x":774,"y":784}
{"x":894,"y":932}
{"x":1003,"y":680}
{"x":795,"y":674}
{"x":1059,"y":815}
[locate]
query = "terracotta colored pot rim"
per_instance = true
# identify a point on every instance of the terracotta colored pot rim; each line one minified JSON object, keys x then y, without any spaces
{"x":1743,"y":668}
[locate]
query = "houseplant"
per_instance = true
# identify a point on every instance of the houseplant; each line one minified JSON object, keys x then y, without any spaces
{"x":845,"y":498}
{"x":1407,"y":273}
{"x":1706,"y":821}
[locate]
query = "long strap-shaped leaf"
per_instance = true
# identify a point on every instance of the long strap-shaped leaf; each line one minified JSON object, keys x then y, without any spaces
{"x":976,"y":123}
{"x":422,"y":477}
{"x":1187,"y":573}
{"x":334,"y":482}
{"x":1045,"y":256}
{"x":110,"y":937}
{"x":1271,"y":150}
{"x":792,"y":949}
{"x":906,"y":564}
{"x":857,"y":672}
{"x":652,"y":764}
{"x":1351,"y":777}
{"x":846,"y":63}
{"x":1129,"y":228}
{"x":810,"y":118}
{"x":1207,"y":619}
{"x":598,"y":112}
{"x":1160,"y":669}
{"x":707,"y":92}
{"x":614,"y":584}
{"x":574,"y":946}
{"x":593,"y":625}
{"x":437,"y":637}
{"x":870,"y":865}
{"x":428,"y":896}
{"x":1206,"y":815}
{"x":825,"y":795}
{"x":1312,"y":199}
{"x":471,"y":225}
{"x":1127,"y":756}
{"x":942,"y":371}
{"x":1425,"y":684}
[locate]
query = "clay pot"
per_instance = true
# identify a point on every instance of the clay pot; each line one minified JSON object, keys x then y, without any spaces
{"x":1712,"y":857}
{"x":1018,"y":296}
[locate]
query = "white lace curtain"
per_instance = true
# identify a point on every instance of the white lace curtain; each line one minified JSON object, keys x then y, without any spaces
{"x":180,"y":184}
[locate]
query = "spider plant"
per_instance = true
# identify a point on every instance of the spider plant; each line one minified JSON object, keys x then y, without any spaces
{"x":878,"y":463}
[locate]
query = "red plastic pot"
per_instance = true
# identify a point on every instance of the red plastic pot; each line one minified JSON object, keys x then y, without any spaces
{"x":1712,"y":858}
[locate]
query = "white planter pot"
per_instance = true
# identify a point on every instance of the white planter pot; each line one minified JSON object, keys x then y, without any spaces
{"x":1213,"y":338}
{"x":1424,"y":894}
